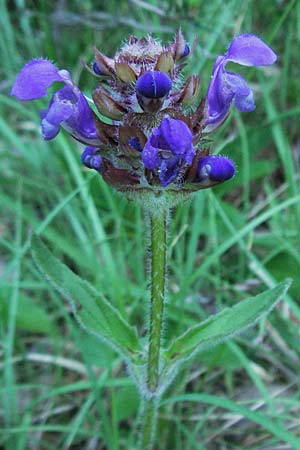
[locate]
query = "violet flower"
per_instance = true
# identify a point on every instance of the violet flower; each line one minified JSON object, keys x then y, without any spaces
{"x":225,"y":87}
{"x":68,"y":107}
{"x":168,"y":148}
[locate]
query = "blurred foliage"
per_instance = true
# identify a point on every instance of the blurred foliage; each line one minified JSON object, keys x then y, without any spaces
{"x":61,"y":389}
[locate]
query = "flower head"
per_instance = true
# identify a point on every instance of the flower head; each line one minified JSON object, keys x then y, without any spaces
{"x":154,"y":141}
{"x":226,"y":87}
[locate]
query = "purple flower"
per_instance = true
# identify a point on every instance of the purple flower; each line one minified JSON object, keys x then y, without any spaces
{"x":68,"y":107}
{"x":91,"y":158}
{"x":226,"y":87}
{"x":153,"y":84}
{"x":168,"y":148}
{"x":215,"y":169}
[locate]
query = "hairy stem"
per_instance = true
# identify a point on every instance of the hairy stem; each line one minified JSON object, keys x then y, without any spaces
{"x":158,"y":278}
{"x":149,"y":423}
{"x":158,"y":229}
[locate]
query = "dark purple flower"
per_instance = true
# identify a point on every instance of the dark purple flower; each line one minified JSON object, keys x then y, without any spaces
{"x":68,"y":107}
{"x":153,"y":84}
{"x":215,"y":169}
{"x":168,"y":148}
{"x":226,"y":87}
{"x":91,"y":158}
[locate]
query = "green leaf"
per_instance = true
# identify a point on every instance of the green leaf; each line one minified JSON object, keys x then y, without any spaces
{"x":225,"y":324}
{"x":92,"y":311}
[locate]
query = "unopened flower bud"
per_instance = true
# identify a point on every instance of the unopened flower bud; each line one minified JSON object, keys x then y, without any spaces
{"x":215,"y":168}
{"x":186,"y":51}
{"x":153,"y":84}
{"x":106,"y":65}
{"x":179,"y":45}
{"x":97,"y":70}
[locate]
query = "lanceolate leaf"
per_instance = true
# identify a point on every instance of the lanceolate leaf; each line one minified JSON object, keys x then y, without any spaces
{"x":227,"y":323}
{"x":93,"y":312}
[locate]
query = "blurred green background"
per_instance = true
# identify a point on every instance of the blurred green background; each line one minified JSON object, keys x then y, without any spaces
{"x":63,"y":389}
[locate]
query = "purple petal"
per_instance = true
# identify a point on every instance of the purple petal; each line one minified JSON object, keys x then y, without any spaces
{"x":81,"y":123}
{"x":49,"y":130}
{"x":249,"y":50}
{"x":34,"y":79}
{"x":232,"y":83}
{"x":176,"y":136}
{"x":91,"y":159}
{"x":58,"y":111}
{"x":245,"y":103}
{"x":168,"y":147}
{"x":150,"y":156}
{"x":219,"y":96}
{"x":215,"y":168}
{"x":168,"y":170}
{"x":153,"y":84}
{"x":239,"y":91}
{"x":69,"y":109}
{"x":226,"y":87}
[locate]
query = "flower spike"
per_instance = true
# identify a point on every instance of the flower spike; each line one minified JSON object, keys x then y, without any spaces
{"x":150,"y":139}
